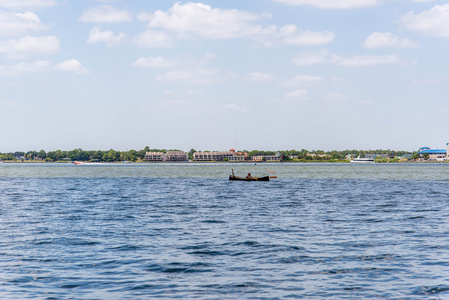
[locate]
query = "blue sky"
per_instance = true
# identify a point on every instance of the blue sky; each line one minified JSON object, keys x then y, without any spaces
{"x":211,"y":75}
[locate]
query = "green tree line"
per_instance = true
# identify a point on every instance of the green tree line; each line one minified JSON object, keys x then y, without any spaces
{"x":136,"y":155}
{"x":79,"y":155}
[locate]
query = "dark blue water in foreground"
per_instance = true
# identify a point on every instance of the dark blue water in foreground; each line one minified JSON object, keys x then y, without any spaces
{"x":185,"y":231}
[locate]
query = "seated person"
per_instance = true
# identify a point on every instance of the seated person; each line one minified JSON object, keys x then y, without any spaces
{"x":249,"y":176}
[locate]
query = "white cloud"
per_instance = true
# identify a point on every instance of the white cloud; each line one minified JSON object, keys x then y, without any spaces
{"x":207,"y":22}
{"x":366,"y":60}
{"x":235,"y":106}
{"x":163,"y":62}
{"x":28,"y":46}
{"x":14,"y":24}
{"x":153,"y":39}
{"x":155,"y":62}
{"x":310,"y":58}
{"x":198,"y":75}
{"x":323,"y":56}
{"x":105,"y":14}
{"x":293,"y":36}
{"x":336,"y":98}
{"x":41,"y":66}
{"x":199,"y":20}
{"x":259,"y":77}
{"x":332,"y":4}
{"x":434,"y":22}
{"x":21,"y":68}
{"x":303,"y":80}
{"x":72,"y":65}
{"x":108,"y":37}
{"x":302,"y":94}
{"x":422,"y":1}
{"x":20,"y":4}
{"x":386,"y":39}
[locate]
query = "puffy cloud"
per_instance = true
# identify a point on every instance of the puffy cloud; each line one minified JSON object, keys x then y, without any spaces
{"x":302,"y":94}
{"x":434,"y":22}
{"x":29,"y":45}
{"x":20,"y":4}
{"x":235,"y":106}
{"x":335,"y":98}
{"x":259,"y":77}
{"x":108,"y":37}
{"x":198,"y":75}
{"x":309,"y":58}
{"x":14,"y":24}
{"x":105,"y":14}
{"x":41,"y":66}
{"x":163,"y":62}
{"x":332,"y":4}
{"x":153,"y":39}
{"x":21,"y":68}
{"x":366,"y":60}
{"x":200,"y":20}
{"x":303,"y":80}
{"x":386,"y":39}
{"x":72,"y":65}
{"x":155,"y":62}
{"x":293,"y":36}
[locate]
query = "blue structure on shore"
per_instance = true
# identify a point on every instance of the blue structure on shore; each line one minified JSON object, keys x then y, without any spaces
{"x":427,"y":150}
{"x":434,"y":154}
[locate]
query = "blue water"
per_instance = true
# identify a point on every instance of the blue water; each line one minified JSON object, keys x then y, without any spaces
{"x":184,"y":231}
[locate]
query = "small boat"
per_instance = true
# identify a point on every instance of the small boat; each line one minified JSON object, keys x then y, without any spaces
{"x":363,"y":160}
{"x":78,"y":163}
{"x":233,"y":177}
{"x":264,"y":178}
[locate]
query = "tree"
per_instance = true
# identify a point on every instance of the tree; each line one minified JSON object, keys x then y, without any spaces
{"x":191,"y":152}
{"x":59,"y":155}
{"x":42,"y":154}
{"x":111,"y":155}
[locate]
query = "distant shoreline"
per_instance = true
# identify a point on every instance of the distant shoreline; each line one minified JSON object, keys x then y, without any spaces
{"x":231,"y":163}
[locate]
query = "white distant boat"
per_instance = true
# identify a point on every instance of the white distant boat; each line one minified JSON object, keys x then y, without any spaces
{"x":365,"y":160}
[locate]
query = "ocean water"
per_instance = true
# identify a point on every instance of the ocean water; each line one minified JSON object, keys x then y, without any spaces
{"x":184,"y":231}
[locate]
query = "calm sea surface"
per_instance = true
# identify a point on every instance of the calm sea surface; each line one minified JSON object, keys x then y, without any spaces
{"x":139,"y":231}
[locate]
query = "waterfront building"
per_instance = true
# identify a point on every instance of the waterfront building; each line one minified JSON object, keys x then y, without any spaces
{"x":257,"y":158}
{"x":154,"y":156}
{"x":434,"y":154}
{"x":237,"y":158}
{"x":173,"y":156}
{"x":276,"y":157}
{"x":213,"y":155}
{"x":170,"y":156}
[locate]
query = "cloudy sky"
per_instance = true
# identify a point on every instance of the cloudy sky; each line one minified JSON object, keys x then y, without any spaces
{"x":211,"y":75}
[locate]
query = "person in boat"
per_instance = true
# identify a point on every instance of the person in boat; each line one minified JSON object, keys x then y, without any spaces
{"x":249,"y":176}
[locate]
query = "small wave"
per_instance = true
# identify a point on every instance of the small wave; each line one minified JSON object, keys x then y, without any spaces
{"x":213,"y":221}
{"x":432,"y":290}
{"x":178,"y":267}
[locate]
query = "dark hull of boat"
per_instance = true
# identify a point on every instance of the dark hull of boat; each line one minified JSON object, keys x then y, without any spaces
{"x":265,"y":178}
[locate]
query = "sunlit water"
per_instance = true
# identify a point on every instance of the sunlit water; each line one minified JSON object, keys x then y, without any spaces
{"x":139,"y":231}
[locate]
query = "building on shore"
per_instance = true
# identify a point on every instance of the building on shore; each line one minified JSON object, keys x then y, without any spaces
{"x":434,"y":154}
{"x":169,"y":156}
{"x":238,"y":158}
{"x":276,"y":157}
{"x":213,"y":155}
{"x":176,"y":156}
{"x":258,"y":158}
{"x":154,"y":156}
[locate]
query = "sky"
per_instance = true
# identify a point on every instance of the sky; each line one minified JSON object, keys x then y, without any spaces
{"x":214,"y":75}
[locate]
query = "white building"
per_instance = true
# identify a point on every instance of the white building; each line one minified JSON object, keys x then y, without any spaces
{"x":169,"y":156}
{"x":213,"y":155}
